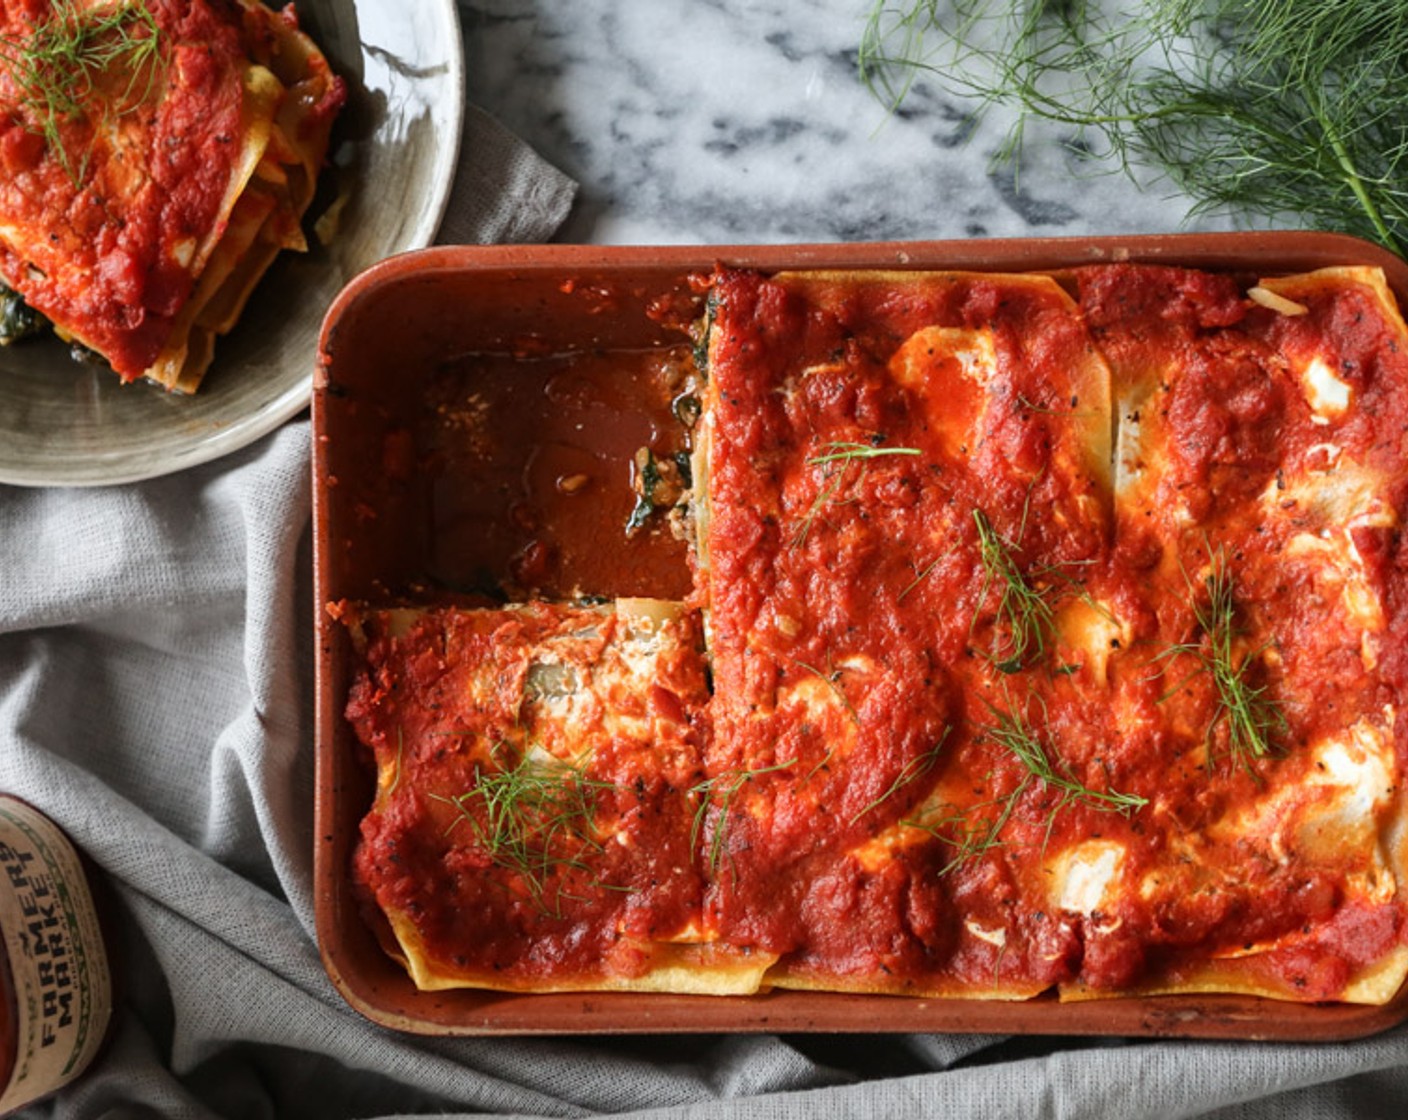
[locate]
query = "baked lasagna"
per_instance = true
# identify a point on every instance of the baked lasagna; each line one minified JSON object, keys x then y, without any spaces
{"x":537,"y":769}
{"x":1045,"y":635}
{"x":157,"y":155}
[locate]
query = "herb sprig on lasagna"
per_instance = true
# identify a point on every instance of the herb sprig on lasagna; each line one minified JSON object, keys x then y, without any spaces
{"x":1024,"y":611}
{"x":536,"y":818}
{"x":1012,"y":729}
{"x":715,"y":808}
{"x":835,"y":458}
{"x":77,"y":57}
{"x":1252,"y":719}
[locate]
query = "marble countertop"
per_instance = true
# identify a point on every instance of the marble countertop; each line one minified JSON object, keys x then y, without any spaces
{"x":726,"y":121}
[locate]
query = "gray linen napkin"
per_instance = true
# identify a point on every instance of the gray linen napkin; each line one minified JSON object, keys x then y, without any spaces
{"x":504,"y":193}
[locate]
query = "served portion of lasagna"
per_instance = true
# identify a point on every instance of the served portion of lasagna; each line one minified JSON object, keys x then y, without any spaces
{"x":1042,"y":638}
{"x":156,"y":157}
{"x":536,"y":781}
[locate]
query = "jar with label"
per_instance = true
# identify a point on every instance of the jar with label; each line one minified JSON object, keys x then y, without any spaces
{"x":55,"y":982}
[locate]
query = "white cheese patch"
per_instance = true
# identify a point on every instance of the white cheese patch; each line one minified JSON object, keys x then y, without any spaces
{"x":1341,"y":565}
{"x":811,"y":699}
{"x":1332,"y":813}
{"x":1324,"y":456}
{"x":1358,"y":768}
{"x":858,"y":663}
{"x":784,"y":622}
{"x":1340,"y":492}
{"x":639,"y":640}
{"x":1139,"y":460}
{"x":574,"y":681}
{"x":691,"y":933}
{"x":184,"y":251}
{"x":817,"y":370}
{"x":1326,"y":394}
{"x":1092,"y":631}
{"x":949,"y":369}
{"x":879,"y":851}
{"x":1394,"y":839}
{"x":1130,"y":468}
{"x":1339,"y":499}
{"x":647,"y":614}
{"x":970,"y":352}
{"x":993,"y":935}
{"x":399,"y":620}
{"x":823,"y":694}
{"x":1084,"y":874}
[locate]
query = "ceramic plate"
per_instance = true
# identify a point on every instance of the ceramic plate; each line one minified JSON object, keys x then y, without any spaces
{"x":394,"y":152}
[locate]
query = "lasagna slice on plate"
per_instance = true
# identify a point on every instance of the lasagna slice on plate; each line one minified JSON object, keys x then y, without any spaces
{"x":156,"y":156}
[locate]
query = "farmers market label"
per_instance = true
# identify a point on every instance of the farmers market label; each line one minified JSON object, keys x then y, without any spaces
{"x":58,"y":965}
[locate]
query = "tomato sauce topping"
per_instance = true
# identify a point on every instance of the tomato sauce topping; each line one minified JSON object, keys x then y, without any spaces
{"x":898,"y":471}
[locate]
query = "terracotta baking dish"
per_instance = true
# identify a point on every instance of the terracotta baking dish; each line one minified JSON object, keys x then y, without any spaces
{"x":376,"y":526}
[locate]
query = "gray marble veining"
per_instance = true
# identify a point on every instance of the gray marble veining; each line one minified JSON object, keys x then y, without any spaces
{"x":716,"y":121}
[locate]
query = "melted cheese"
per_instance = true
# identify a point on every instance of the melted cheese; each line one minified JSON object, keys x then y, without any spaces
{"x":1085,"y":876}
{"x":1140,"y":454}
{"x":1326,"y":394}
{"x":1333,"y":813}
{"x":1090,"y":634}
{"x":949,"y":370}
{"x":1339,"y":493}
{"x":1338,"y":563}
{"x":1332,"y":503}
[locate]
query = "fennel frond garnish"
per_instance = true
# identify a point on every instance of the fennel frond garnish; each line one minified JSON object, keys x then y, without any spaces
{"x":536,"y":819}
{"x":62,"y":66}
{"x":1252,"y":717}
{"x":835,"y":458}
{"x":1012,"y":730}
{"x":1024,"y":612}
{"x":913,"y":770}
{"x":972,"y":832}
{"x":1270,"y":109}
{"x":720,"y":791}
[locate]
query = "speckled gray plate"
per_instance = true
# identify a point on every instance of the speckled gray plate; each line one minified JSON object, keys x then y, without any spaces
{"x":394,"y":150}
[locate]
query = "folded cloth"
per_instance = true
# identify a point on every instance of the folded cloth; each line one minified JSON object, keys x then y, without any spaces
{"x":504,"y":192}
{"x":155,"y":700}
